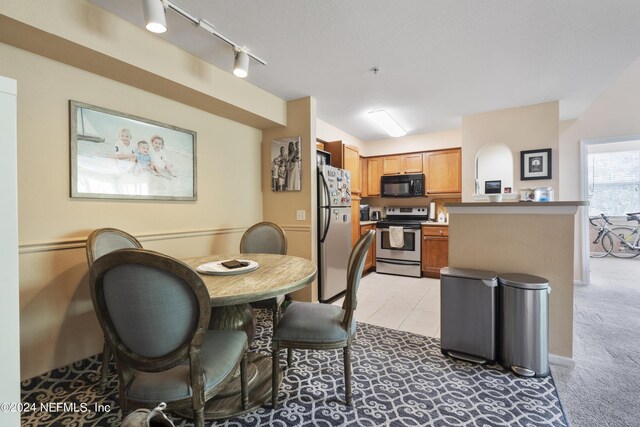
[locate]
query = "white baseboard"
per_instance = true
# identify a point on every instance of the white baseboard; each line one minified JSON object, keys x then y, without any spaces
{"x":561,"y":361}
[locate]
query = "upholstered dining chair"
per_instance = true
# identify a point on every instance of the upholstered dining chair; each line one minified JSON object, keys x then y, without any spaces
{"x":266,"y":238}
{"x":154,"y":311}
{"x":322,"y":326}
{"x":101,"y":242}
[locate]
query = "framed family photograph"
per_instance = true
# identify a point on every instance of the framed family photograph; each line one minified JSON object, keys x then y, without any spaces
{"x":286,"y":164}
{"x":120,"y":156}
{"x":535,"y":164}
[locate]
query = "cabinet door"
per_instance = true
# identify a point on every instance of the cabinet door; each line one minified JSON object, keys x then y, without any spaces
{"x":374,"y":172}
{"x":413,"y":163}
{"x":364,"y":178}
{"x":443,"y":171}
{"x":351,"y":162}
{"x":392,"y":165}
{"x":355,"y":220}
{"x":370,"y":259}
{"x":435,"y":255}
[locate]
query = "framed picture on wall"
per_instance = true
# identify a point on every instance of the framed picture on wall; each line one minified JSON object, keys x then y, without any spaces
{"x":286,"y":164}
{"x":120,"y":156}
{"x":535,"y":164}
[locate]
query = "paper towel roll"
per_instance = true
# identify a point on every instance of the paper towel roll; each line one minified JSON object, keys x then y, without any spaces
{"x":432,"y":211}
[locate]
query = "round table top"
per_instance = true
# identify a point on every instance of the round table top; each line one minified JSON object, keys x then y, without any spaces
{"x":276,"y":275}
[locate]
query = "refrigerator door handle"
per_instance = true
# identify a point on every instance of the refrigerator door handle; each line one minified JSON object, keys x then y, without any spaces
{"x":325,"y":188}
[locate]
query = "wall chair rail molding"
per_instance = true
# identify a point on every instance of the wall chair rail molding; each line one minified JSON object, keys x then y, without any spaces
{"x":80,"y":242}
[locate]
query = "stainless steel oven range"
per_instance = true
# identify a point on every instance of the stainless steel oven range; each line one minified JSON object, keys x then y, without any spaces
{"x":398,"y":241}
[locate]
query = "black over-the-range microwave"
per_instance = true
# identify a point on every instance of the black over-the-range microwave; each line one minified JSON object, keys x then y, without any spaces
{"x":410,"y":185}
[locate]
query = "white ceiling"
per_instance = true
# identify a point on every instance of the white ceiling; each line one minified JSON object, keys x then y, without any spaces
{"x":439,"y":59}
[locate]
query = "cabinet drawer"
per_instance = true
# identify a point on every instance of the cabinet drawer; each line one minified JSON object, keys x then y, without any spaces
{"x":435,"y":231}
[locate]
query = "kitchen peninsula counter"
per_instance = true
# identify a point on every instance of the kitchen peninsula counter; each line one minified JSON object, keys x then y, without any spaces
{"x":522,"y":237}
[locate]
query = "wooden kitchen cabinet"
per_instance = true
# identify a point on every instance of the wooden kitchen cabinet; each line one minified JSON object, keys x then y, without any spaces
{"x":443,"y":171}
{"x":364,"y":178}
{"x":402,"y":163}
{"x":374,"y":172}
{"x":347,"y":157}
{"x":355,"y":220}
{"x":435,"y":250}
{"x":370,"y":260}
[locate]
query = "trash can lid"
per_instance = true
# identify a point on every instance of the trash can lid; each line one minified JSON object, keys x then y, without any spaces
{"x":523,"y":281}
{"x":467,"y":273}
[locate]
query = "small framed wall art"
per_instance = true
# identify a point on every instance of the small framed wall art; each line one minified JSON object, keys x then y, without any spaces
{"x":535,"y":164}
{"x":286,"y":164}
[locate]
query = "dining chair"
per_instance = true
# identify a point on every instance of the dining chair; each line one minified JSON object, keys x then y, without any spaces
{"x":266,"y":238}
{"x":316,"y":326}
{"x":154,"y":311}
{"x":101,"y":242}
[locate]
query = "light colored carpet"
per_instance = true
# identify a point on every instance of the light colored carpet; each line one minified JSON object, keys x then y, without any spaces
{"x":603,"y":389}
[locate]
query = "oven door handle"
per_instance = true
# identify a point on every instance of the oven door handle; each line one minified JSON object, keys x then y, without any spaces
{"x":397,"y":261}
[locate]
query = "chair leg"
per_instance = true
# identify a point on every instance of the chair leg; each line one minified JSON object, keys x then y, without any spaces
{"x":289,"y":356}
{"x":347,"y":375}
{"x":243,"y":382}
{"x":274,"y":375}
{"x":276,"y":316}
{"x":104,"y":369}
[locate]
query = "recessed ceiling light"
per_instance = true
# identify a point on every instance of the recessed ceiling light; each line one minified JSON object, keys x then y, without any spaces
{"x":384,"y":121}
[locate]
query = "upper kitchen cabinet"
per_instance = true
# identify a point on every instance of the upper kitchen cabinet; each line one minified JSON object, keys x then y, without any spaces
{"x":347,"y":157}
{"x":374,"y":172}
{"x":364,"y":177}
{"x":402,"y":163}
{"x":443,"y":171}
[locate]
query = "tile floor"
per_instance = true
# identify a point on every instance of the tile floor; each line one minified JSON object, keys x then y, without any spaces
{"x":405,"y":303}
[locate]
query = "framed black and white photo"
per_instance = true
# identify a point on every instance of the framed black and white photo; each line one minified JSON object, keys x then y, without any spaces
{"x":120,"y":156}
{"x":535,"y":164}
{"x":286,"y":164}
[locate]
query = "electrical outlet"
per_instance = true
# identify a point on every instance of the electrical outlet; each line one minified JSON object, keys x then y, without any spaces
{"x":301,"y":215}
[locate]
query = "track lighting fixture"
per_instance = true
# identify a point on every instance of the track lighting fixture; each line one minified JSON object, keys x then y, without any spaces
{"x":241,"y":64}
{"x":154,"y":14}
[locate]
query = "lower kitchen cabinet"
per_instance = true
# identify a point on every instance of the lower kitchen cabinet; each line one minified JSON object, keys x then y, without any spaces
{"x":435,"y":250}
{"x":370,"y":260}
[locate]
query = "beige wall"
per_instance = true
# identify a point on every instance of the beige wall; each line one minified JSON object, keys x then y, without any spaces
{"x":541,"y":245}
{"x":327,"y":132}
{"x":407,"y":144}
{"x":614,"y":114}
{"x":522,"y":128}
{"x":281,"y":207}
{"x":87,"y":37}
{"x":58,"y":324}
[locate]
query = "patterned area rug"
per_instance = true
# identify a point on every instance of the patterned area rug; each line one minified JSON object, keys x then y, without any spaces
{"x":399,"y":379}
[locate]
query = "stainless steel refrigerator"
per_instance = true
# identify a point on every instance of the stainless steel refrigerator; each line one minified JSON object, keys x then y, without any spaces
{"x":334,"y":231}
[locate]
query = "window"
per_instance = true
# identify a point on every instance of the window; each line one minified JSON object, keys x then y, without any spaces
{"x":614,"y":182}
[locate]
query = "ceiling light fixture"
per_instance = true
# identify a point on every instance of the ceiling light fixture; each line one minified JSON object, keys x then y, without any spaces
{"x":384,"y":121}
{"x":241,"y":64}
{"x":154,"y":16}
{"x":154,"y":13}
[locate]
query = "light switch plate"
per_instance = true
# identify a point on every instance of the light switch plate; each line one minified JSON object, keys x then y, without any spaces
{"x":301,"y":215}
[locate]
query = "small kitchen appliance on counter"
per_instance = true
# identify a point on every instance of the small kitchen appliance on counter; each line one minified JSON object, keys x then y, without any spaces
{"x":365,"y":213}
{"x":376,"y":215}
{"x":402,"y":259}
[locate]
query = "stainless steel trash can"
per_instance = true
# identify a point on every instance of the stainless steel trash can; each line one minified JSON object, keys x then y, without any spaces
{"x":468,"y":301}
{"x":523,"y":340}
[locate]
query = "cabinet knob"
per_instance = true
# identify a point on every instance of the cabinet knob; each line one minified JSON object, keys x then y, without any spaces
{"x":441,"y":232}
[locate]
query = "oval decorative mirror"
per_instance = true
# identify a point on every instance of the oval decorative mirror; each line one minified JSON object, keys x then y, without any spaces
{"x":494,"y":163}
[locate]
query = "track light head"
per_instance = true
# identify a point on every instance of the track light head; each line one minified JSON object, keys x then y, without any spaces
{"x":154,"y":15}
{"x":241,"y":64}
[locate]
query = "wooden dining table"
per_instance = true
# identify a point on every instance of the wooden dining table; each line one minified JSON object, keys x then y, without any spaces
{"x":230,"y":297}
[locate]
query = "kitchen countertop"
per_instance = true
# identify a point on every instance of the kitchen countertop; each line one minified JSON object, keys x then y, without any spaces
{"x":427,"y":223}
